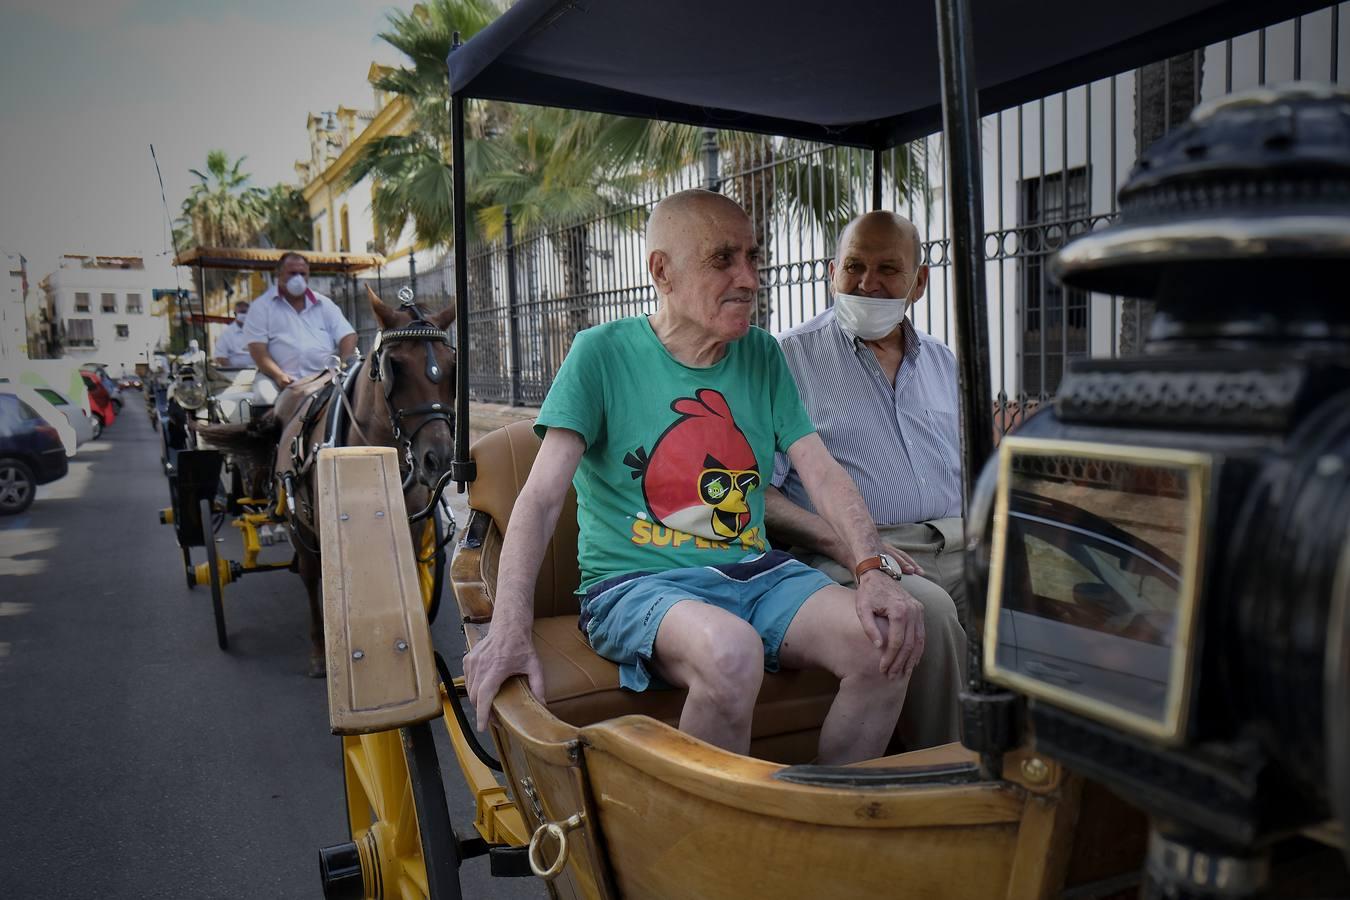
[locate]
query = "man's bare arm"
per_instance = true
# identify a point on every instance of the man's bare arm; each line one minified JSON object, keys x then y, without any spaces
{"x":347,"y":346}
{"x":267,"y":365}
{"x":878,"y":596}
{"x":508,"y":649}
{"x":797,"y":526}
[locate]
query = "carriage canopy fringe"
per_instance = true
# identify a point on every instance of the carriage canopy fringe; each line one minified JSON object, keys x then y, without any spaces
{"x":850,"y":72}
{"x":254,"y":258}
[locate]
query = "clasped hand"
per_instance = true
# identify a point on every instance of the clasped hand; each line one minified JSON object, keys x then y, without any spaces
{"x":892,"y":620}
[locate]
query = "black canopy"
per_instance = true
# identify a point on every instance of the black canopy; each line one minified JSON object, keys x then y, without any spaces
{"x":856,"y":72}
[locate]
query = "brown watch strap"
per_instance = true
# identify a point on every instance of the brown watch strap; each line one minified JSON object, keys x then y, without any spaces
{"x":867,"y":565}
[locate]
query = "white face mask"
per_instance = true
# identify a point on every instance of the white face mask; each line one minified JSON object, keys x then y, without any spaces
{"x":239,"y":319}
{"x":871,"y":318}
{"x":295,"y":285}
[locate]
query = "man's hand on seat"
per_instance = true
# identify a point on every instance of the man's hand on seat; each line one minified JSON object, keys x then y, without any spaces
{"x":883,"y":602}
{"x":503,"y":653}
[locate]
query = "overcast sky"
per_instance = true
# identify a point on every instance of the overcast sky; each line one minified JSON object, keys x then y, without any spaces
{"x":87,"y":85}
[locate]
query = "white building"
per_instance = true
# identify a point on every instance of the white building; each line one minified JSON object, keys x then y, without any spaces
{"x":102,"y":308}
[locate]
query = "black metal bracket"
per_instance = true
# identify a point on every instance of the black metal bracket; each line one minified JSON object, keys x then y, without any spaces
{"x":509,"y":862}
{"x":463,"y":471}
{"x":991,"y":725}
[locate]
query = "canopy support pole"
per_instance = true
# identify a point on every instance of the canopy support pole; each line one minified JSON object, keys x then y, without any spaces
{"x":989,"y":716}
{"x":462,"y":470}
{"x":876,"y":179}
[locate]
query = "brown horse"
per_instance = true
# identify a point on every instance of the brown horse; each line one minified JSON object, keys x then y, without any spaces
{"x":403,"y":396}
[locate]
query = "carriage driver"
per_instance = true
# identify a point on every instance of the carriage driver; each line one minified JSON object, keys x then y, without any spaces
{"x":667,"y":425}
{"x":882,"y":396}
{"x":291,"y":331}
{"x":231,"y":349}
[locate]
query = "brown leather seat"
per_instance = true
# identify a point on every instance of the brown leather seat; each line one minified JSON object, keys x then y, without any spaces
{"x":582,"y":687}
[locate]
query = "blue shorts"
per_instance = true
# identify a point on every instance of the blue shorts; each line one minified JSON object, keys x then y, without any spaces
{"x":620,"y":616}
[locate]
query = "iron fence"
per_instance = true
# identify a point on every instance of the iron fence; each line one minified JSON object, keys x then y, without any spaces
{"x":1051,"y":170}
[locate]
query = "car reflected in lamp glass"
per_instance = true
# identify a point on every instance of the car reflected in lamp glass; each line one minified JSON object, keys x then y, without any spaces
{"x":1093,"y":593}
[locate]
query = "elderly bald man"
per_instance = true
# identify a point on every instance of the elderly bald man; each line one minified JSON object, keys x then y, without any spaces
{"x":882,"y":396}
{"x":667,"y":425}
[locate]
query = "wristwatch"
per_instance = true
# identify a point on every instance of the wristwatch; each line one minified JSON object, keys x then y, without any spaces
{"x":885,"y":562}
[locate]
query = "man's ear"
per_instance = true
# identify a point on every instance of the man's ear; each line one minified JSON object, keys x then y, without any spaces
{"x":658,"y":265}
{"x":923,"y":284}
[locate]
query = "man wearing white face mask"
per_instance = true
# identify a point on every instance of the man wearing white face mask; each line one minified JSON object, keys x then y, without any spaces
{"x":882,"y":395}
{"x":231,"y":349}
{"x":291,"y":330}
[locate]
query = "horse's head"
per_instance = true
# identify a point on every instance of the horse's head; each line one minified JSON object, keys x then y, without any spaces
{"x":415,"y":365}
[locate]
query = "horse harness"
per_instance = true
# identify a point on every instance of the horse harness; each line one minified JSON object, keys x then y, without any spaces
{"x":422,"y":330}
{"x":341,"y":387}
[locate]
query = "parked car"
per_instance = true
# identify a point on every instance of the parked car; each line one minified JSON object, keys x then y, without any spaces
{"x":100,"y":371}
{"x":31,"y":453}
{"x":79,"y":419}
{"x":1095,"y":613}
{"x":71,"y":438}
{"x":129,"y":382}
{"x":61,"y":375}
{"x":100,"y":403}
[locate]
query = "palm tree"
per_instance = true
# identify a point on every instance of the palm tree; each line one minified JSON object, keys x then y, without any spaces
{"x":411,"y":172}
{"x":286,"y":218}
{"x":221,"y":209}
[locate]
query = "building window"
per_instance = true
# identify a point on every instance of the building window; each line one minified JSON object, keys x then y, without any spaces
{"x":318,"y":237}
{"x":110,"y":303}
{"x":346,"y":232}
{"x":133,"y":303}
{"x":81,"y":301}
{"x":123,"y":331}
{"x":80,"y":332}
{"x":1054,"y":320}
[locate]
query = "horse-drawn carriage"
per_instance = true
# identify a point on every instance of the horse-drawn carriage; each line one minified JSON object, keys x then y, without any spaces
{"x":591,"y":788}
{"x":210,"y":480}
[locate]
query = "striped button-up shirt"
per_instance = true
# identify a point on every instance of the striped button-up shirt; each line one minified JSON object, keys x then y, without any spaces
{"x":900,"y":443}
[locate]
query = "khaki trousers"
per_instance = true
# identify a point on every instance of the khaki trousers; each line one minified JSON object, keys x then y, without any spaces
{"x":932,"y":712}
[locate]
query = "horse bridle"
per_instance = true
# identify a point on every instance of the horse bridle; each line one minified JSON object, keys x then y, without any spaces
{"x":419,"y":329}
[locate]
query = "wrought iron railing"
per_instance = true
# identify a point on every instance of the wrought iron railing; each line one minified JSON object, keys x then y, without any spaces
{"x":1051,"y":169}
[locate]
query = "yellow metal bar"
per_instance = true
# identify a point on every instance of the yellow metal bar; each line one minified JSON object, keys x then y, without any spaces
{"x":496,"y":817}
{"x":248,"y":532}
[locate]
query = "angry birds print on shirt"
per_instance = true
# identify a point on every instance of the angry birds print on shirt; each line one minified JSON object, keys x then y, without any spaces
{"x":700,"y":471}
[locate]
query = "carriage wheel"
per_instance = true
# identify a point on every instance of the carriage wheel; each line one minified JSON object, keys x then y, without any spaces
{"x":431,"y":564}
{"x":213,"y":567}
{"x":398,"y":820}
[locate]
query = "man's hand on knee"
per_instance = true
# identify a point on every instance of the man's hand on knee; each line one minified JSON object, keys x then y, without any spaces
{"x":493,"y":660}
{"x":892,"y":620}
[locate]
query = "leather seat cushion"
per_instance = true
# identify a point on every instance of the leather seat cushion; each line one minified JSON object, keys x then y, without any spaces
{"x":583,"y":688}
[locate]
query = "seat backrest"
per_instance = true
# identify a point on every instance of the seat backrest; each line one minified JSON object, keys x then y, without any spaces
{"x":503,"y":458}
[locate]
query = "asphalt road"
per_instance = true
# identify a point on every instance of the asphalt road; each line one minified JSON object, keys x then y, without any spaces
{"x":138,"y":760}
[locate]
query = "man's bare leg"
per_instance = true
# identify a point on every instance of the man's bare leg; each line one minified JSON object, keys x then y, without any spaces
{"x":826,"y":634}
{"x":719,"y":658}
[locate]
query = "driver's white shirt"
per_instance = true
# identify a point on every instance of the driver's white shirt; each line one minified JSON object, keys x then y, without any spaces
{"x":299,"y":342}
{"x":232,"y":347}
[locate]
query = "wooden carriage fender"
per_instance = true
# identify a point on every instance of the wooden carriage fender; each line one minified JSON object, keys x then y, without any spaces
{"x":381,"y":667}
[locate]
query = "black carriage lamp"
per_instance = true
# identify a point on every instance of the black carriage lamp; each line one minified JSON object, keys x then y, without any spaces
{"x":1168,"y":555}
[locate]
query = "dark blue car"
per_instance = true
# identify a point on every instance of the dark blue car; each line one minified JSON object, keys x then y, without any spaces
{"x":30,"y":454}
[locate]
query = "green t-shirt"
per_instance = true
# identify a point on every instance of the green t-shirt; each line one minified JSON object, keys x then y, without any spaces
{"x":676,"y":457}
